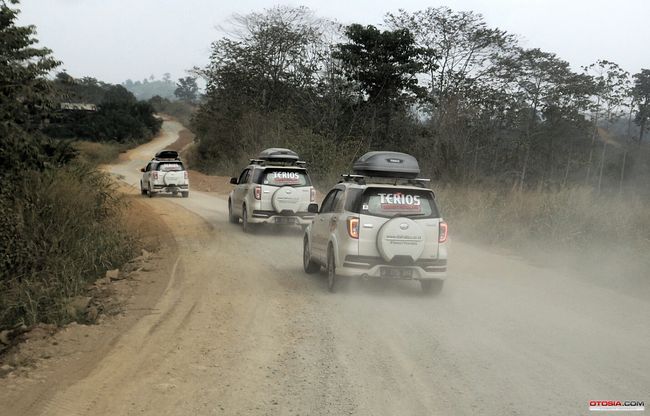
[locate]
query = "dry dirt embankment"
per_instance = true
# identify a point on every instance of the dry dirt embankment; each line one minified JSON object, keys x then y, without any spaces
{"x":240,"y":329}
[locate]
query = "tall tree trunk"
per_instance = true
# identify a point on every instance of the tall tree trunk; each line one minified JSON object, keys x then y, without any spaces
{"x":593,"y":142}
{"x":522,"y":178}
{"x":566,"y":170}
{"x":602,"y":164}
{"x":642,"y":126}
{"x":629,"y":120}
{"x":476,"y":160}
{"x":591,"y":150}
{"x":495,"y":158}
{"x":620,"y":184}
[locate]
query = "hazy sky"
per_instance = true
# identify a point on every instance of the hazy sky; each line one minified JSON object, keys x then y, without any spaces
{"x":114,"y":40}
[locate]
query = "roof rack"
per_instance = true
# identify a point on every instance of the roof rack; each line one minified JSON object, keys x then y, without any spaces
{"x":364,"y":180}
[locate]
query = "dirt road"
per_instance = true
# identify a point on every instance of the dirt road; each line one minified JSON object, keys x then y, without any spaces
{"x":240,"y":330}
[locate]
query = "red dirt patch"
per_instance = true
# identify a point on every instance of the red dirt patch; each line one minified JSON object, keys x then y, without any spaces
{"x":185,"y":138}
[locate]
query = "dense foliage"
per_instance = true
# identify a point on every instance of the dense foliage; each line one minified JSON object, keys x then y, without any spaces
{"x":60,"y":226}
{"x":119,"y":117}
{"x":472,"y":103}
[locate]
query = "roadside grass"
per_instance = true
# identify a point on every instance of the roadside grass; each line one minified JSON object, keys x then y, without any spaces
{"x":99,"y":153}
{"x":570,"y":217}
{"x":61,"y":229}
{"x":606,"y":237}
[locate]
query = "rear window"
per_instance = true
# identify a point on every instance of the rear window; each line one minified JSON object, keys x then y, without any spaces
{"x":284,"y":177}
{"x":391,"y":202}
{"x":169,"y":166}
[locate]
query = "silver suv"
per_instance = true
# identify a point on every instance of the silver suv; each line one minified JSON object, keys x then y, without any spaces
{"x":381,"y":222}
{"x":275,"y":188}
{"x":165,"y":173}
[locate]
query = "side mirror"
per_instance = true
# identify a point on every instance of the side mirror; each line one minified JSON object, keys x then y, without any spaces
{"x":234,"y":181}
{"x":312,"y":208}
{"x":142,"y":170}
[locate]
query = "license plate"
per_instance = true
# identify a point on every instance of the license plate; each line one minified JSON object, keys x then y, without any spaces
{"x":281,"y":220}
{"x":396,"y":273}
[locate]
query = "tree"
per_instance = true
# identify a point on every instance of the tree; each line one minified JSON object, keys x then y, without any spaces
{"x":187,"y":90}
{"x":462,"y":48}
{"x":641,"y":92}
{"x":25,"y":93}
{"x":271,"y":59}
{"x":117,"y":94}
{"x":266,"y":67}
{"x":546,"y":91}
{"x":385,"y":65}
{"x":610,"y":88}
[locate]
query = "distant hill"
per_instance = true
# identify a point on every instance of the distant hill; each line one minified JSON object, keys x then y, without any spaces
{"x":150,"y":87}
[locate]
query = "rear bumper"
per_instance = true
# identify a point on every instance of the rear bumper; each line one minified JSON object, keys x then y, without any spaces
{"x":272,"y":217}
{"x":171,"y":188}
{"x":372,"y":267}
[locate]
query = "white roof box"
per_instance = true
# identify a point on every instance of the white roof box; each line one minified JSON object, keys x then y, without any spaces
{"x":278,"y":154}
{"x":387,"y":164}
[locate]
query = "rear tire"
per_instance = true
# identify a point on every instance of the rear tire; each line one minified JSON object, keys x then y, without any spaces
{"x":432,"y":287}
{"x":308,"y":264}
{"x":331,"y":270}
{"x":231,"y":217}
{"x":185,"y":194}
{"x":142,"y":190}
{"x":246,"y":226}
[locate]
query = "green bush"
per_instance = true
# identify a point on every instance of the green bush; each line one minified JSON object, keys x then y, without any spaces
{"x":227,"y":147}
{"x":60,"y":229}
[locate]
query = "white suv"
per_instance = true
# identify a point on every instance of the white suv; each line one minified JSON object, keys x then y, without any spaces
{"x":273,"y":189}
{"x":381,"y":223}
{"x":165,"y":173}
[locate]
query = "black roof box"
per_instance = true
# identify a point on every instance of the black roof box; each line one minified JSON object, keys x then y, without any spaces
{"x":167,"y":154}
{"x":277,"y":154}
{"x":387,"y":164}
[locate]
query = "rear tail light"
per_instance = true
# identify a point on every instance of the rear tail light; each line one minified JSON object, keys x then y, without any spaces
{"x":442,"y":232}
{"x":185,"y":174}
{"x":155,"y":174}
{"x":353,"y":227}
{"x":258,"y":192}
{"x":312,"y":194}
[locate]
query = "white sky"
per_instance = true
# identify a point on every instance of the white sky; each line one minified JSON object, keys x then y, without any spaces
{"x":114,"y":40}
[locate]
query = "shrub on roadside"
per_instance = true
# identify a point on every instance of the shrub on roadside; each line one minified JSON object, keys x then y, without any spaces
{"x":225,"y":148}
{"x":574,"y":216}
{"x":97,"y":153}
{"x":60,"y":230}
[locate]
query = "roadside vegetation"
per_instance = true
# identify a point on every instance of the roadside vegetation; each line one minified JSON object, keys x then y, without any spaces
{"x":61,"y":224}
{"x":103,"y":112}
{"x":179,"y":109}
{"x":520,"y":146}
